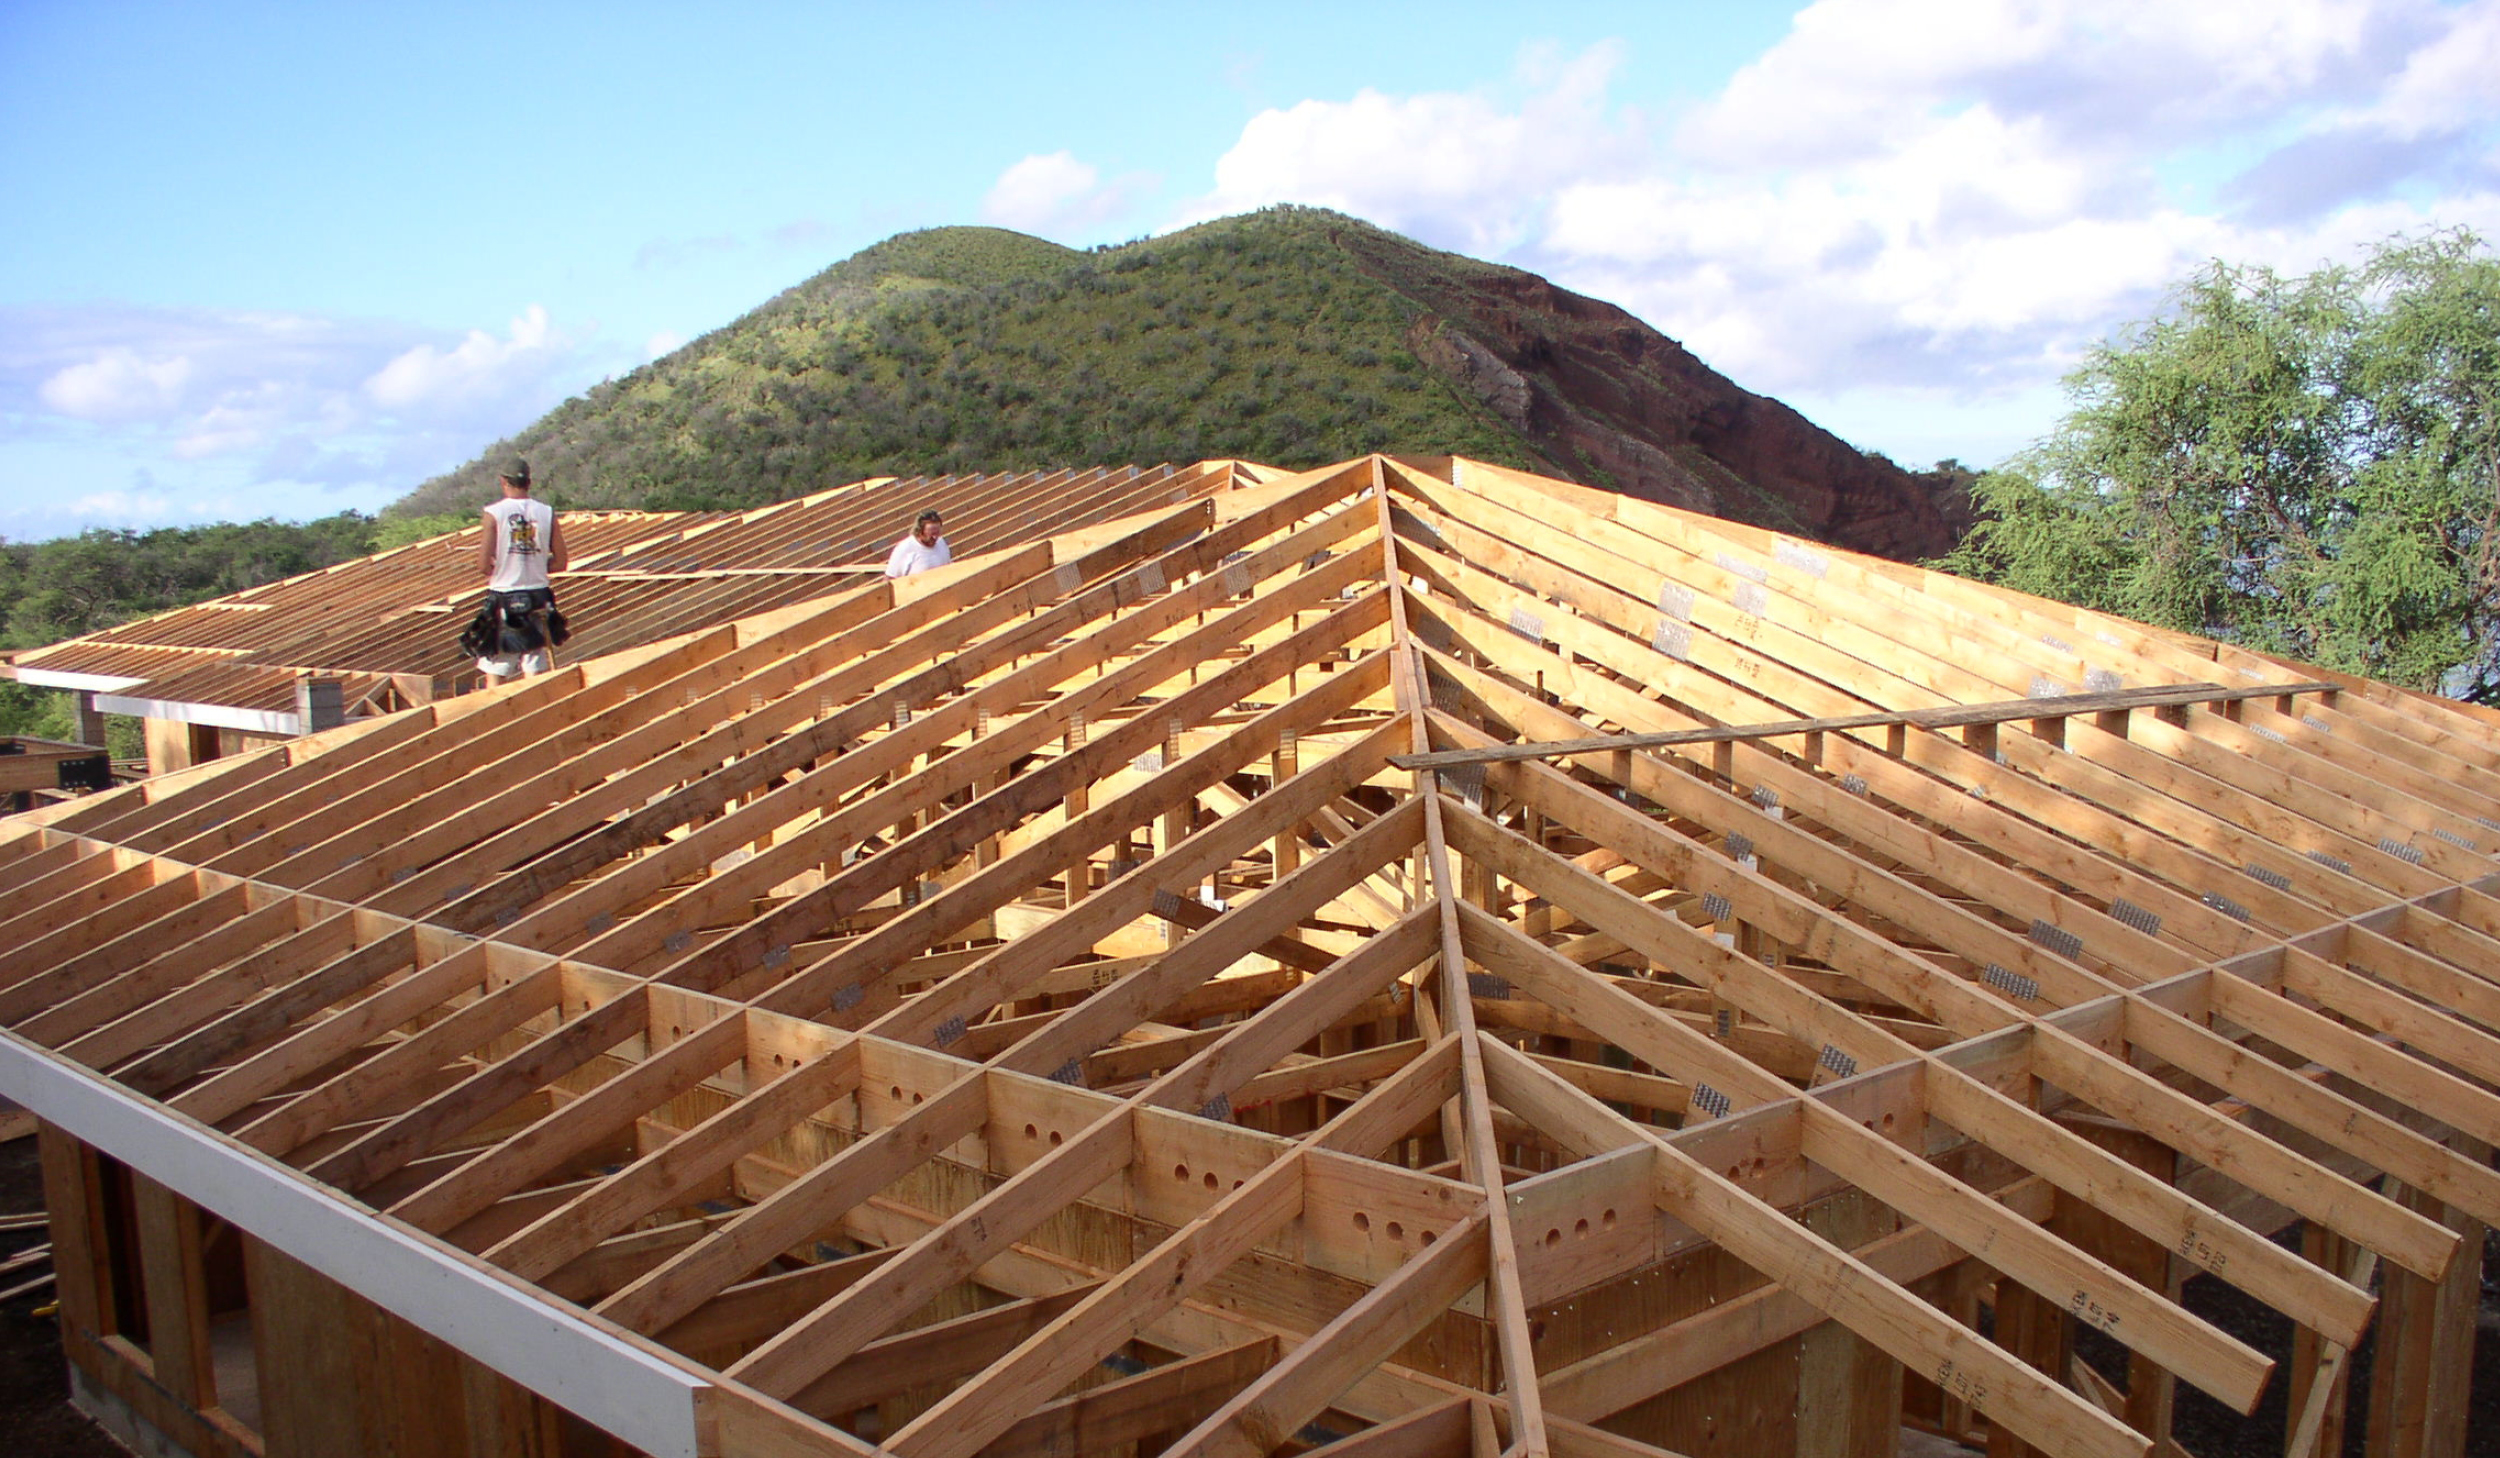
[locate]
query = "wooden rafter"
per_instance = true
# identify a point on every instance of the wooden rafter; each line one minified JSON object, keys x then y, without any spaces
{"x":1232,"y":962}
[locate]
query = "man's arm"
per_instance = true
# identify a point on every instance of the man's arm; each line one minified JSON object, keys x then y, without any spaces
{"x":556,"y":555}
{"x":486,"y":543}
{"x":896,"y":564}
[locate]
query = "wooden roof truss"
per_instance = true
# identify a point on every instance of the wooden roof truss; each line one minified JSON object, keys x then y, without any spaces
{"x":1105,"y":981}
{"x":387,"y":626}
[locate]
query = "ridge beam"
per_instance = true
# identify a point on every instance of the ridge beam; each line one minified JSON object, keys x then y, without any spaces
{"x":2055,"y":706}
{"x":1479,"y":1154}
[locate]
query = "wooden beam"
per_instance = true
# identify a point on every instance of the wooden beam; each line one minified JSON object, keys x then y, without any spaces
{"x":809,"y":1347}
{"x":2097,"y":1293}
{"x":1962,"y":716}
{"x":976,"y":1413}
{"x":595,"y":1115}
{"x":799,"y":1209}
{"x":939,"y":1352}
{"x":665,"y":1175}
{"x":1274,"y":1406}
{"x":1134,"y":1408}
{"x":1845,"y":1288}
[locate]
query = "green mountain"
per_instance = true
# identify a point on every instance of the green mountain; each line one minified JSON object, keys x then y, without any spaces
{"x":1290,"y":336}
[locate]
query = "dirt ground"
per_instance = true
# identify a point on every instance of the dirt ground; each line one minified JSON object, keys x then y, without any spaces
{"x":37,"y":1419}
{"x":35,"y":1413}
{"x":2207,"y":1429}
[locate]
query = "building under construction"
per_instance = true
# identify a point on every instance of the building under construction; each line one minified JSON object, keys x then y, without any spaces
{"x":1407,"y":958}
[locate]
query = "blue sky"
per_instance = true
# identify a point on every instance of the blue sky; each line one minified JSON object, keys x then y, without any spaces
{"x":291,"y":259}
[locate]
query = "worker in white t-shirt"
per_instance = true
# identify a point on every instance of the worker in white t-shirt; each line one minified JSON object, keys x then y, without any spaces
{"x":521,"y":544}
{"x":923,"y":549}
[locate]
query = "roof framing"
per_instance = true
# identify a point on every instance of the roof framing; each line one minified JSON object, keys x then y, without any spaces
{"x":386,"y":627}
{"x":1139,"y":945}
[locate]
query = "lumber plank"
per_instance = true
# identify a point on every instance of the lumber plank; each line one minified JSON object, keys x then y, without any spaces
{"x":1963,"y":716}
{"x":1852,"y":1292}
{"x":1275,"y":1405}
{"x":666,"y":1175}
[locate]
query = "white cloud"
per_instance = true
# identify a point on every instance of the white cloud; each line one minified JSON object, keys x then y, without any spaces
{"x":2448,"y":82}
{"x":225,"y":429}
{"x":1036,"y":189}
{"x":1458,"y":167}
{"x":1055,"y":194}
{"x":480,"y":364}
{"x":1894,"y":195}
{"x":1855,"y":78}
{"x":280,"y":410}
{"x":117,"y":384}
{"x":1942,"y":200}
{"x":667,"y":341}
{"x":132,"y":507}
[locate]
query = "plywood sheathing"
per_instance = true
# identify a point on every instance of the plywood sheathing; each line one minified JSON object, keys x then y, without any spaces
{"x":901,"y":1004}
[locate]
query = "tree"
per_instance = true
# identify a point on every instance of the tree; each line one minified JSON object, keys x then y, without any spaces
{"x":2306,"y":466}
{"x":74,"y":585}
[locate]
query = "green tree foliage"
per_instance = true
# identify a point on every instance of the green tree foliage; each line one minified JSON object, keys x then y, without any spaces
{"x":400,"y":531}
{"x":2307,"y":466}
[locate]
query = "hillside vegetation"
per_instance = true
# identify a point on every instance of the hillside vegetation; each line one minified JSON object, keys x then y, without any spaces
{"x":1290,"y":336}
{"x":967,"y":349}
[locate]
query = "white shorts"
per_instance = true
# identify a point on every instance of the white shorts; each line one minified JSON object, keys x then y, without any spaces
{"x":504,"y":665}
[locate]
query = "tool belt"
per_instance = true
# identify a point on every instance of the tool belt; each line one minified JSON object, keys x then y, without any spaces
{"x":520,"y":621}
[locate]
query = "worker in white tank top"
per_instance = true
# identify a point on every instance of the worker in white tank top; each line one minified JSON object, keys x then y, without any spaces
{"x":521,"y":544}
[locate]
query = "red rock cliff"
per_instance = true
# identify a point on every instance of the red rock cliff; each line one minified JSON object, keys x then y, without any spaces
{"x":1609,"y":401}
